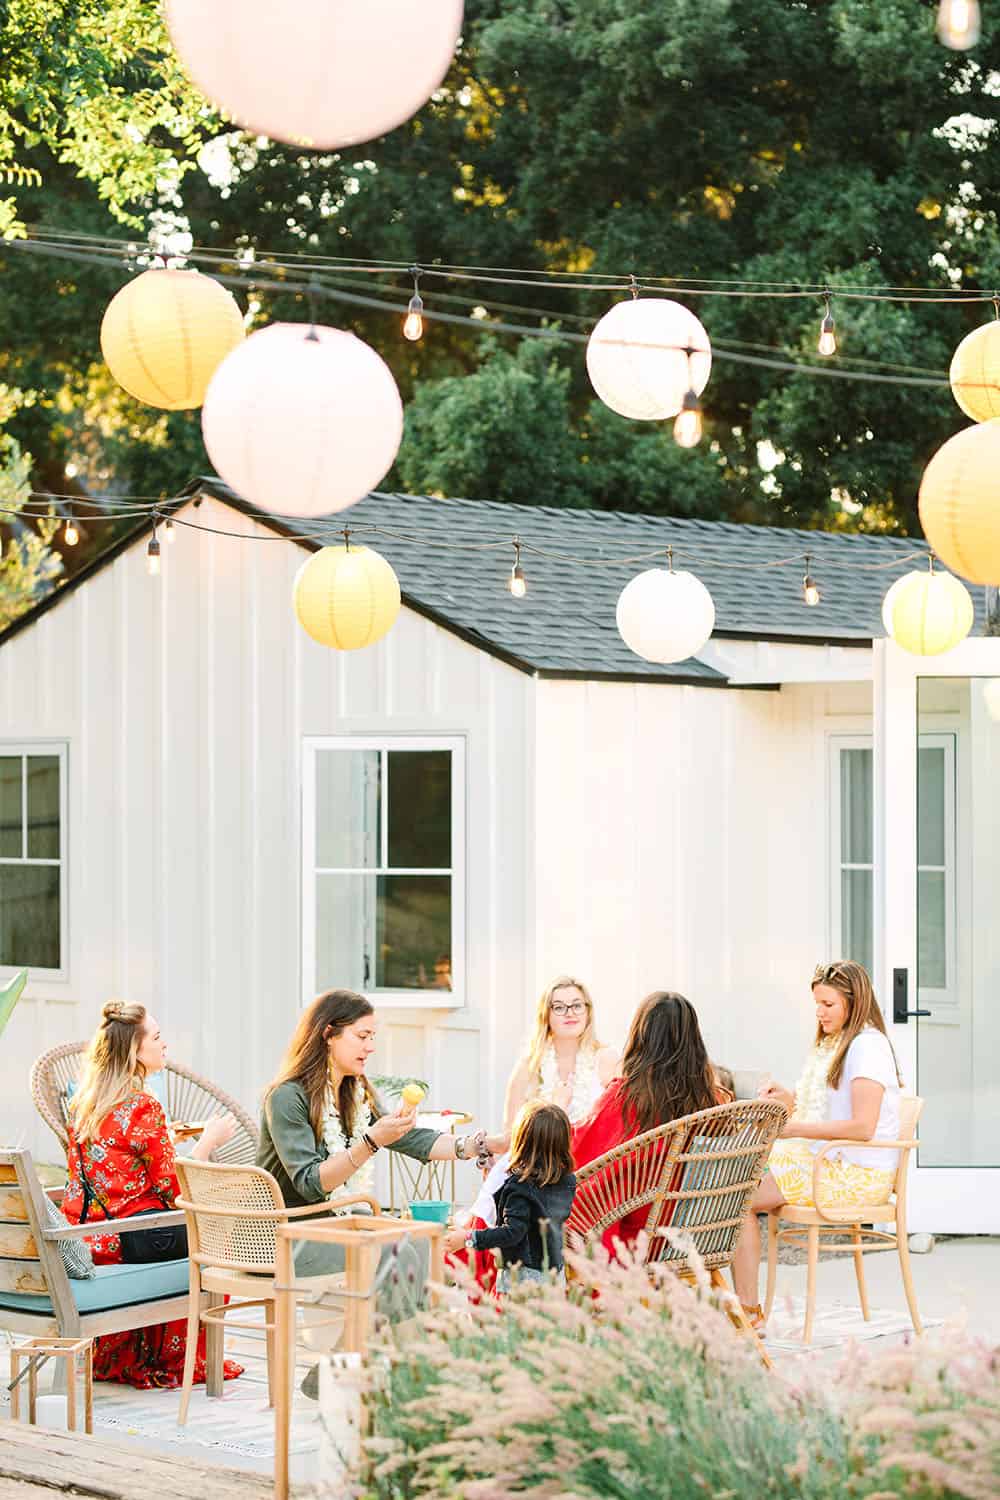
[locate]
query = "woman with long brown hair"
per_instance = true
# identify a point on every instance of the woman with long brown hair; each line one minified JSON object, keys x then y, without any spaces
{"x":665,"y":1074}
{"x":121,"y":1162}
{"x":849,"y":1090}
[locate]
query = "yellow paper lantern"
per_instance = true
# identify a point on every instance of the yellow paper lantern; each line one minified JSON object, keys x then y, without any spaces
{"x":975,"y":373}
{"x":165,"y":334}
{"x":960,"y":502}
{"x":931,"y":613}
{"x":346,"y":597}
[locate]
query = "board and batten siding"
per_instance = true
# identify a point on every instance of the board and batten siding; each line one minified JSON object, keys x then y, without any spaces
{"x":184,"y":701}
{"x":682,"y":843}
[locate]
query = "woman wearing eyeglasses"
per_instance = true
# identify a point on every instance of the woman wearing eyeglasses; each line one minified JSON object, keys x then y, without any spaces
{"x":564,"y":1064}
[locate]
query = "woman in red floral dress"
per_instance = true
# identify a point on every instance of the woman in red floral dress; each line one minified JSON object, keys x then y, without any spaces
{"x":128,"y":1160}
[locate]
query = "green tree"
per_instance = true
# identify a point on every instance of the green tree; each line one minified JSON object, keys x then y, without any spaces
{"x":28,"y":566}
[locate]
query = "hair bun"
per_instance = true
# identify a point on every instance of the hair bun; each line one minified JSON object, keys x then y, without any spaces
{"x":114,"y":1010}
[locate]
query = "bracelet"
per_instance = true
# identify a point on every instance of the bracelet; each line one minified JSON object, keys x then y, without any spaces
{"x":460,"y":1141}
{"x":350,"y":1158}
{"x":370,"y":1142}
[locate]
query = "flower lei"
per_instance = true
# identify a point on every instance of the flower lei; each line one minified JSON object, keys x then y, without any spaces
{"x":811,"y":1091}
{"x":583,"y":1080}
{"x":335,"y":1140}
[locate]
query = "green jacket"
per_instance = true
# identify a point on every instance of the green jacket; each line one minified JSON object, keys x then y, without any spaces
{"x":289,"y":1151}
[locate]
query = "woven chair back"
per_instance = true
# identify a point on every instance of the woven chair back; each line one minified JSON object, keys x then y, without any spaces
{"x":226,"y":1237}
{"x":910,"y":1109}
{"x":695,"y":1175}
{"x":189,"y":1097}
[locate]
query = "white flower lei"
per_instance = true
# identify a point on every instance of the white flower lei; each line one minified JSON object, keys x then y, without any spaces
{"x":335,"y":1140}
{"x":584,"y":1081}
{"x":812,"y":1089}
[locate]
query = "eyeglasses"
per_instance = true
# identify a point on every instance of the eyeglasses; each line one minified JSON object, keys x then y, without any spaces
{"x":575,"y":1008}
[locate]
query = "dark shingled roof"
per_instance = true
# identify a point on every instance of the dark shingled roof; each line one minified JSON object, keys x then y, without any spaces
{"x":565,"y":625}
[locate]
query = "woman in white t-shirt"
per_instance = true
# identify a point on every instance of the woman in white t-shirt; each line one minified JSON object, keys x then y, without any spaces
{"x":849,"y":1090}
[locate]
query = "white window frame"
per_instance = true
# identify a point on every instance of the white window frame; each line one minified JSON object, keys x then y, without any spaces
{"x":412,"y":999}
{"x":60,"y":749}
{"x":943,"y":1002}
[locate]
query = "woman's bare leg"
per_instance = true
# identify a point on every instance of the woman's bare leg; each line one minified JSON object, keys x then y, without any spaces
{"x":746,"y":1261}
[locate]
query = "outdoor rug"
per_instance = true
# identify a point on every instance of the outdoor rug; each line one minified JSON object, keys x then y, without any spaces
{"x":833,"y":1324}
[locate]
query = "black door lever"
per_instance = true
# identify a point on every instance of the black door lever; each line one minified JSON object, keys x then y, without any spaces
{"x":900,"y":998}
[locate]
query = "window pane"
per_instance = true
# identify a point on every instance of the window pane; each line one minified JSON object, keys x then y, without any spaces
{"x":345,"y":932}
{"x":930,"y":806}
{"x":420,"y":809}
{"x":29,"y":916}
{"x":43,"y":807}
{"x":11,"y":845}
{"x":347,"y":809}
{"x":856,"y":807}
{"x":931,"y":927}
{"x":414,"y":932}
{"x":856,"y":916}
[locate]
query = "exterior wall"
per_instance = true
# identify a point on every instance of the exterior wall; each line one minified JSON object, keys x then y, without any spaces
{"x":184,"y":702}
{"x":682,"y":842}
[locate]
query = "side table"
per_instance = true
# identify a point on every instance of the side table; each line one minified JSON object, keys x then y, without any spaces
{"x":417,"y":1181}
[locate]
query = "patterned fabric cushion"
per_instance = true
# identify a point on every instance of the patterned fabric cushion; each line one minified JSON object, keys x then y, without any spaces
{"x":76,"y":1256}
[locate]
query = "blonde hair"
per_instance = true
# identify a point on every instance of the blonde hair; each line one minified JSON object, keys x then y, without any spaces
{"x":853,"y":982}
{"x":543,"y":1032}
{"x":540,"y":1151}
{"x":111,"y":1068}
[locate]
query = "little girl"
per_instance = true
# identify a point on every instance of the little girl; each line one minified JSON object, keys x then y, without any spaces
{"x":534,"y":1202}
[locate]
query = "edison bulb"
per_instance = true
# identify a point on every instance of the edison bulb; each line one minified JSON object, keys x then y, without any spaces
{"x":687,"y":425}
{"x":958,"y":24}
{"x":413,"y":323}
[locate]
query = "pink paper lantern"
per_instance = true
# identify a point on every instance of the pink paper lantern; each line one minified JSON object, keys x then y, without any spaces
{"x":302,"y":420}
{"x":322,"y":73}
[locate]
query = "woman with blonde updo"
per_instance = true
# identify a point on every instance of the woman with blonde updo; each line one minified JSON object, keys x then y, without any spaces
{"x":121,"y":1163}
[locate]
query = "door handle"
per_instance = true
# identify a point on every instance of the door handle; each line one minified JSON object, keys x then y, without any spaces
{"x":901,"y":1012}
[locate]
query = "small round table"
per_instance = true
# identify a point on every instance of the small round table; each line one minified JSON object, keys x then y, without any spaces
{"x":423,"y":1180}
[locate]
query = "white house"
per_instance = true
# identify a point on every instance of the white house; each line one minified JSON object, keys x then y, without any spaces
{"x":203,"y":810}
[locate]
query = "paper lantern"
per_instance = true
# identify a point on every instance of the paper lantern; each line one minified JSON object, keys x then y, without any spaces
{"x":346,"y":597}
{"x":889,"y":601}
{"x":665,"y":616}
{"x":975,"y":373}
{"x":165,"y":334}
{"x":931,"y":613}
{"x":637,"y":360}
{"x":302,"y":420}
{"x":960,"y":502}
{"x":320,"y":73}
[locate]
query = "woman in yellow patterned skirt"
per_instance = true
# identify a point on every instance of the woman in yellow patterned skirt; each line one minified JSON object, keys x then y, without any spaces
{"x":849,"y":1090}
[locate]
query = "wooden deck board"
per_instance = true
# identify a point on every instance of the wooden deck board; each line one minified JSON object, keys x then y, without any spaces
{"x":36,"y":1462}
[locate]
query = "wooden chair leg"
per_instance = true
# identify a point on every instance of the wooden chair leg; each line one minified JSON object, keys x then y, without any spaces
{"x":773,"y":1225}
{"x":908,"y":1287}
{"x":734,"y":1311}
{"x":284,"y":1362}
{"x":215,"y":1341}
{"x":191,"y":1346}
{"x":269,"y":1313}
{"x":859,"y":1271}
{"x":813,"y":1261}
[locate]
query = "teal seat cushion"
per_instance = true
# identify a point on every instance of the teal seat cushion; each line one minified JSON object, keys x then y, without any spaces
{"x":111,"y":1286}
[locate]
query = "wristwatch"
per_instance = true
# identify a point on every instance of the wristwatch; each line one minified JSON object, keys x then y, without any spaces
{"x":470,"y":1242}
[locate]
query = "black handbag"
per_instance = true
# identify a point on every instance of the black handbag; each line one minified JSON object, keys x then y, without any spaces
{"x":140,"y":1246}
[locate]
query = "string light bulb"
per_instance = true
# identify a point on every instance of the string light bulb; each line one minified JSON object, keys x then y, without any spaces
{"x":518,"y":584}
{"x":153,"y":555}
{"x":827,"y":335}
{"x":958,"y":24}
{"x":413,"y":323}
{"x":687,"y":423}
{"x":71,"y":535}
{"x":810,"y":588}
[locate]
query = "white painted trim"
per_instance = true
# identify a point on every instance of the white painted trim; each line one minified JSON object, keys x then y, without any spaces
{"x":59,"y":748}
{"x":747,"y":662}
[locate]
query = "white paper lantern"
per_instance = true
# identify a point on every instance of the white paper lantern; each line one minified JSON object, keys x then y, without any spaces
{"x":322,"y":73}
{"x":637,"y":359}
{"x":302,"y":420}
{"x":665,"y":616}
{"x":889,"y":603}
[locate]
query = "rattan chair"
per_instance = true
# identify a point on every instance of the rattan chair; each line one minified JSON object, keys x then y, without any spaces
{"x":697,"y":1176}
{"x":231,"y":1215}
{"x":810,"y":1226}
{"x":189,"y":1097}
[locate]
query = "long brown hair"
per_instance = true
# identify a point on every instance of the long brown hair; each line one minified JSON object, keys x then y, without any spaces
{"x":542,"y":1034}
{"x":307,"y":1061}
{"x":665,"y":1068}
{"x":540,"y":1144}
{"x":111,"y":1068}
{"x":854,"y":983}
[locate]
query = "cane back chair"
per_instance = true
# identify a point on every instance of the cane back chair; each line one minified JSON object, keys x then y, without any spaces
{"x":696,"y":1175}
{"x":812,"y":1227}
{"x":189,"y":1097}
{"x":232,"y":1213}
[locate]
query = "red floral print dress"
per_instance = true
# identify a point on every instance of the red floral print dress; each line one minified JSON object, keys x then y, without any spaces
{"x":130,"y":1168}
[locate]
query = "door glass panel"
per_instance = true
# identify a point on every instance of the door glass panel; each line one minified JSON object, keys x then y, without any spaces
{"x":856,"y":910}
{"x":856,"y":807}
{"x":958,"y":934}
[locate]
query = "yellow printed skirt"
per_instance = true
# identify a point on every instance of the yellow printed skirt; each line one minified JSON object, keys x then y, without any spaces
{"x":842,"y":1184}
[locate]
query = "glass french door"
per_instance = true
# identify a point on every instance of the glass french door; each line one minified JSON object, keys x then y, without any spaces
{"x":937,"y":917}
